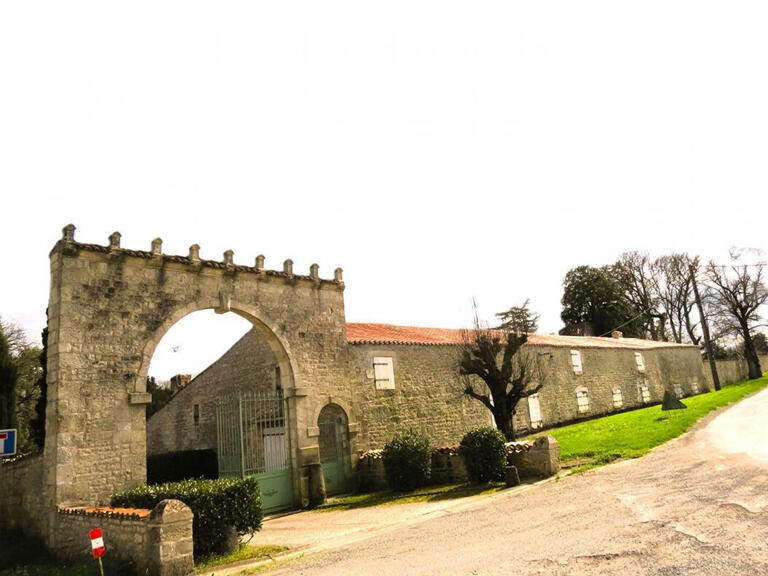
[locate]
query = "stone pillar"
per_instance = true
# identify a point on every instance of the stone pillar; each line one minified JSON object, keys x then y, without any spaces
{"x":169,"y":547}
{"x":542,"y":460}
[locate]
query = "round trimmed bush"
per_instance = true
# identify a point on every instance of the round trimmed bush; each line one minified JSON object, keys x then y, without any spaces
{"x":407,"y":461}
{"x":485,"y":454}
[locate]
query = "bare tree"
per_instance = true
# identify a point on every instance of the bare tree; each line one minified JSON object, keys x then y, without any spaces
{"x":737,"y":293}
{"x":634,"y":272}
{"x":672,"y":286}
{"x":15,"y":335}
{"x":505,"y":366}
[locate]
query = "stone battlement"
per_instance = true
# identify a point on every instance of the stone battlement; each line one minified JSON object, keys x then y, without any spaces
{"x":69,"y":245}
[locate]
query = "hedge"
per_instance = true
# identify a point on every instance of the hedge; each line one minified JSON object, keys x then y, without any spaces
{"x":407,"y":461}
{"x":219,"y":506}
{"x":485,"y":454}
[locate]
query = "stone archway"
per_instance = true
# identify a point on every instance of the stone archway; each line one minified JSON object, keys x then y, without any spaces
{"x":108,"y":309}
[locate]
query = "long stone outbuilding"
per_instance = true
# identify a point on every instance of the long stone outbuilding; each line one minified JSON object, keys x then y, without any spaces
{"x":335,"y":389}
{"x":406,"y":378}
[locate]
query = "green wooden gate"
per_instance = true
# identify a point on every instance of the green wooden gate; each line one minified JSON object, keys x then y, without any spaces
{"x":333,"y":444}
{"x":252,"y":440}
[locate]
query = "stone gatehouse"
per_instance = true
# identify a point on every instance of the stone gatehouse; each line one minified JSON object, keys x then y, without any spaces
{"x":342,"y":388}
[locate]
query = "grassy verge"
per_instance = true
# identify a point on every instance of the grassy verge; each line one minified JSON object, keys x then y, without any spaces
{"x":243,"y":553}
{"x":632,"y":434}
{"x":426,"y":494}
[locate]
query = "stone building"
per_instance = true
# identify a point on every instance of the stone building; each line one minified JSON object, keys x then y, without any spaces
{"x":406,"y":378}
{"x":302,"y":390}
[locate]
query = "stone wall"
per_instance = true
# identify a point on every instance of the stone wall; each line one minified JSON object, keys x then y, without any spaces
{"x":428,"y":395}
{"x":22,"y":503}
{"x":157,"y":542}
{"x":731,"y":371}
{"x":605,"y":370}
{"x":248,"y":366}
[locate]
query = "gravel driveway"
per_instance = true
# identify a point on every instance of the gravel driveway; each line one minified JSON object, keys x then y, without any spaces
{"x":697,"y":505}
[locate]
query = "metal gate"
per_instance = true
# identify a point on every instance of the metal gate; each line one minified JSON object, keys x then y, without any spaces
{"x":252,"y":440}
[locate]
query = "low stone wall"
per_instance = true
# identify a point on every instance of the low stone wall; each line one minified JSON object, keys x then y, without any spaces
{"x":448,"y":466}
{"x":542,"y":459}
{"x":157,"y":542}
{"x":22,"y":500}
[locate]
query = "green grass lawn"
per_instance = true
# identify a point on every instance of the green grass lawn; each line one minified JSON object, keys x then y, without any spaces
{"x":426,"y":494}
{"x":244,"y":552}
{"x":632,"y":434}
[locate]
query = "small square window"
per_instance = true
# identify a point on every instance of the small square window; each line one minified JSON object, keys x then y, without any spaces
{"x":582,"y":401}
{"x":644,"y":392}
{"x":640,"y":362}
{"x":383,"y":374}
{"x":677,"y":390}
{"x":618,"y":400}
{"x":694,"y":387}
{"x":576,"y":362}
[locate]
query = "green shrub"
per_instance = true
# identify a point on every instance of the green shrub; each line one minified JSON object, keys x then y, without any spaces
{"x":219,"y":507}
{"x":485,"y":454}
{"x":407,"y":461}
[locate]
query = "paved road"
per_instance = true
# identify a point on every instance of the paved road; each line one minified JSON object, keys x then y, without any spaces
{"x":697,"y":505}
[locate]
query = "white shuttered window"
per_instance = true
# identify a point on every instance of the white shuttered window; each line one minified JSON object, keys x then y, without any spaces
{"x":582,"y":401}
{"x":618,"y":400}
{"x":644,"y":392}
{"x":576,"y":362}
{"x":534,"y":410}
{"x":383,"y":373}
{"x":640,"y":361}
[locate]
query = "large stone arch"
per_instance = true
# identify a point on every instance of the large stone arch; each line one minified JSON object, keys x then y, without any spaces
{"x":265,"y":326}
{"x":108,"y":309}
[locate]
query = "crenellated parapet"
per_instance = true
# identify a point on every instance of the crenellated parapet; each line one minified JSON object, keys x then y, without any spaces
{"x":69,"y":245}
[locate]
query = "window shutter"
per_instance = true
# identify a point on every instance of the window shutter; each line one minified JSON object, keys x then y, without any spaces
{"x":618,"y":400}
{"x":576,"y":362}
{"x":383,"y":374}
{"x":640,"y":361}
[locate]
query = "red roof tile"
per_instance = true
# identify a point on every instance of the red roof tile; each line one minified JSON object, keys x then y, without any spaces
{"x":363,"y":333}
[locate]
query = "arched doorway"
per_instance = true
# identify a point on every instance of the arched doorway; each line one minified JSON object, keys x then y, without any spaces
{"x":334,"y":447}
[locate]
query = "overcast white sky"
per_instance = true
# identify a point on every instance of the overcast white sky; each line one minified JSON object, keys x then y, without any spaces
{"x":435,"y":150}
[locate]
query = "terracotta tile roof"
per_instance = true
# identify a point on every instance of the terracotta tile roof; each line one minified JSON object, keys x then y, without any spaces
{"x":363,"y":333}
{"x":105,"y":511}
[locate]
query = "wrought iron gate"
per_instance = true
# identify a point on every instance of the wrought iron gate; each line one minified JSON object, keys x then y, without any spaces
{"x":252,"y":440}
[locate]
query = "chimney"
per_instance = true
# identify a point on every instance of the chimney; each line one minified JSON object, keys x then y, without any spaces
{"x":179,"y":381}
{"x":617,"y":334}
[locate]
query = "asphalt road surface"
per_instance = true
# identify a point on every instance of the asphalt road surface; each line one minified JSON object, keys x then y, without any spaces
{"x":697,"y":505}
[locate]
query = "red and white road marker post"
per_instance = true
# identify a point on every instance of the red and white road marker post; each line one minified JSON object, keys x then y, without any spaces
{"x":97,"y":546}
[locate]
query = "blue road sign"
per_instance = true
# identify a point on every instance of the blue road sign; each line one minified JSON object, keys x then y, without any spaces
{"x":7,"y":442}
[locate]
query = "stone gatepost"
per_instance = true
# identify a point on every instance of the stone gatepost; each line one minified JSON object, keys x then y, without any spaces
{"x":169,"y":547}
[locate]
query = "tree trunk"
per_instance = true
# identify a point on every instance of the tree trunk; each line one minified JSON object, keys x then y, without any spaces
{"x":753,"y":361}
{"x":504,"y":422}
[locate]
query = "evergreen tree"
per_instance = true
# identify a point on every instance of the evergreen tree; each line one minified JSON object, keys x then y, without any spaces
{"x":37,"y":424}
{"x":8,"y":378}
